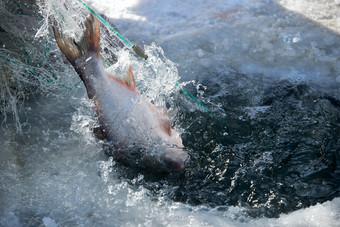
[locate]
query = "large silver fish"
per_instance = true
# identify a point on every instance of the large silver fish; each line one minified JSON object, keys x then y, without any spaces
{"x":127,"y":119}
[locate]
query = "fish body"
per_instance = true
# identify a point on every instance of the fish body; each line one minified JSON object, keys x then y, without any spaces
{"x":126,"y":118}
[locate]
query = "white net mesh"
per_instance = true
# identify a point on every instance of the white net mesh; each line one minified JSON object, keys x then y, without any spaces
{"x":30,"y":61}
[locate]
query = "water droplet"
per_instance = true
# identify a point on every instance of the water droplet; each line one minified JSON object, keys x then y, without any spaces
{"x":296,"y":39}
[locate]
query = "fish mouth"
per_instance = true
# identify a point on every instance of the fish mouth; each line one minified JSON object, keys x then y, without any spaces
{"x":175,"y":158}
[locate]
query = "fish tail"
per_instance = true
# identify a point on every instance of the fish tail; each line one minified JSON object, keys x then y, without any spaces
{"x":89,"y":41}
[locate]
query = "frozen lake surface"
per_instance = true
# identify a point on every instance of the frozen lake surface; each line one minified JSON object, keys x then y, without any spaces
{"x":266,"y":154}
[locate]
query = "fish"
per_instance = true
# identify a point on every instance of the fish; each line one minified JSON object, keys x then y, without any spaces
{"x":133,"y":126}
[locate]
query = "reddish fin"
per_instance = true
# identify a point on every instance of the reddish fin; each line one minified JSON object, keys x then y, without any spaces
{"x":128,"y":79}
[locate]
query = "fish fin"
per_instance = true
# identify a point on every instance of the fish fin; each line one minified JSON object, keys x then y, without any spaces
{"x":88,"y":42}
{"x":165,"y":121}
{"x":128,"y":79}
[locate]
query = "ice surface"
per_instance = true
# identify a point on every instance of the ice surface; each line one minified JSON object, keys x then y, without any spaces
{"x":325,"y":12}
{"x":48,"y":222}
{"x":266,"y":66}
{"x":252,"y":36}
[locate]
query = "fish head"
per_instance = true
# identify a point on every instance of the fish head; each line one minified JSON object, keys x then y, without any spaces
{"x":175,"y":158}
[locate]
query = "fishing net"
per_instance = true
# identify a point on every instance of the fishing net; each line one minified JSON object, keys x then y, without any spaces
{"x":31,"y":62}
{"x":27,"y":57}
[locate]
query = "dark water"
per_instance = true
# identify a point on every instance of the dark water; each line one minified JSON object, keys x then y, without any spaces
{"x":269,"y":144}
{"x":276,"y":150}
